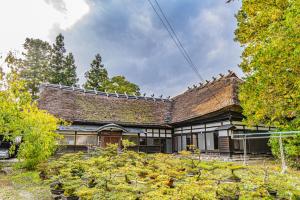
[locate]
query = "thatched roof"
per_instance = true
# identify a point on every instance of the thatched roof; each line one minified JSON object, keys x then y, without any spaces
{"x":77,"y":105}
{"x":211,"y":97}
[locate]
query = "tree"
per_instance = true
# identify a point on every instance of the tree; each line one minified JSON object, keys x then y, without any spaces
{"x":269,"y":32}
{"x":121,"y":85}
{"x":34,"y":64}
{"x":70,"y":70}
{"x":62,"y":68}
{"x":97,"y":76}
{"x":19,"y":117}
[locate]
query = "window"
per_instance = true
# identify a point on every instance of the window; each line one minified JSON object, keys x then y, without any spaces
{"x":179,"y":145}
{"x":68,"y":140}
{"x":86,"y":139}
{"x":201,"y":141}
{"x":212,"y":139}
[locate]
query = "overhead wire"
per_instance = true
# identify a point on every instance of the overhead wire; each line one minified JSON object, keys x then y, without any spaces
{"x":168,"y":26}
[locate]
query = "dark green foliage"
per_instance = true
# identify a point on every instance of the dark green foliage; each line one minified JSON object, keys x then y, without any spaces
{"x":33,"y":67}
{"x":62,"y":69}
{"x":97,"y":76}
{"x":42,"y":63}
{"x":70,"y":70}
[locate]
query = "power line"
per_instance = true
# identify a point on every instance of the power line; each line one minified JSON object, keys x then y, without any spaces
{"x":177,"y":42}
{"x":169,"y":31}
{"x":182,"y":47}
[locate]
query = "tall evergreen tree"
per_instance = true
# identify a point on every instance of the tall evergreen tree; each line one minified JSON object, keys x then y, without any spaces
{"x":70,"y":67}
{"x":97,"y":76}
{"x":32,"y":68}
{"x":56,"y":71}
{"x":62,"y":68}
{"x":35,"y":63}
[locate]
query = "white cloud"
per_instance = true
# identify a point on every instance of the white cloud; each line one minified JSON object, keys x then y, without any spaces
{"x":35,"y":18}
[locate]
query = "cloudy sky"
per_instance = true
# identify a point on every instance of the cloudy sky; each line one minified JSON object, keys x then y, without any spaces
{"x":130,"y":38}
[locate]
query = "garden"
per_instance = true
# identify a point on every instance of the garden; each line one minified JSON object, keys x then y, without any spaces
{"x":113,"y":174}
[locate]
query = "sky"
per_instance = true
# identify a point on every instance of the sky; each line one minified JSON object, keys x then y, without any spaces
{"x":130,"y":38}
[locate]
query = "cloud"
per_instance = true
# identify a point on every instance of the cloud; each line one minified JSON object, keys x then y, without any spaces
{"x":133,"y":42}
{"x":36,"y":18}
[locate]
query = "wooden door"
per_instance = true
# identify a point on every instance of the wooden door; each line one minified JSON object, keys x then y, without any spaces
{"x":110,"y":138}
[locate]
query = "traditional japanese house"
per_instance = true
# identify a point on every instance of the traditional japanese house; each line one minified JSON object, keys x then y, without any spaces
{"x":205,"y":116}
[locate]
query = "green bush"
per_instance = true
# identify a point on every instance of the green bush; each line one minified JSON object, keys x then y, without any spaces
{"x":130,"y":175}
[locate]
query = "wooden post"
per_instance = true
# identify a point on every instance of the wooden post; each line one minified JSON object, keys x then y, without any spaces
{"x":75,"y":141}
{"x":205,"y":143}
{"x":245,"y":149}
{"x":138,"y":142}
{"x":283,"y":164}
{"x":146,"y":133}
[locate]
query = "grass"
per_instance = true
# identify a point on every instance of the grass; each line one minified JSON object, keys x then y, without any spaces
{"x":23,"y":185}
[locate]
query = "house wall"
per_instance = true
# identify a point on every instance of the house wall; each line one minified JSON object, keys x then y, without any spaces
{"x":148,"y":140}
{"x":204,"y":136}
{"x":210,"y":137}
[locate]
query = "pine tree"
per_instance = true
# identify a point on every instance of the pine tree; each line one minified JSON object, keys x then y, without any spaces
{"x":32,"y":68}
{"x":56,"y":71}
{"x":70,"y":73}
{"x":62,"y":68}
{"x":35,"y":64}
{"x":97,"y":76}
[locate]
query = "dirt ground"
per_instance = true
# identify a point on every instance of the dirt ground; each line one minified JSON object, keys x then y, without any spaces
{"x":19,"y":185}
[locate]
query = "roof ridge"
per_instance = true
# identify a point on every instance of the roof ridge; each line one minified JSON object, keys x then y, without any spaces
{"x":105,"y":93}
{"x":230,"y":74}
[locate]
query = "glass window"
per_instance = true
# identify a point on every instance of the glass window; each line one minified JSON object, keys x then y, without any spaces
{"x":68,"y":139}
{"x":86,"y":139}
{"x":210,"y":141}
{"x":201,"y":141}
{"x":179,"y":143}
{"x":155,"y":135}
{"x":184,"y":142}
